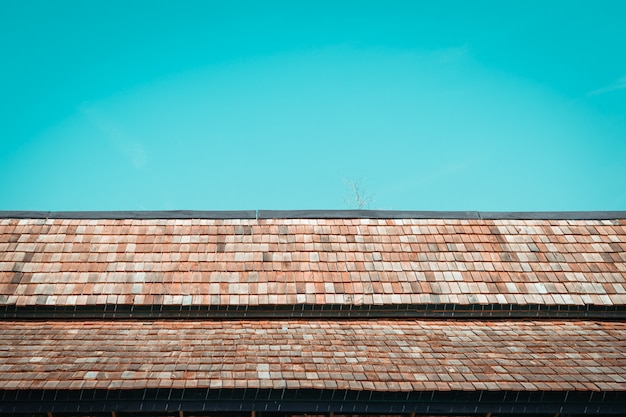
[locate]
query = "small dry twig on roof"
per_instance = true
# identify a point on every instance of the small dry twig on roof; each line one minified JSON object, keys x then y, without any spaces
{"x":357,"y":197}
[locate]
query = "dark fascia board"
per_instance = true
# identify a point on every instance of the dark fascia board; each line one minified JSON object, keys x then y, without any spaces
{"x":317,"y":214}
{"x":365,"y":214}
{"x":140,"y":215}
{"x":86,"y":401}
{"x":24,"y":214}
{"x":312,"y":311}
{"x":553,"y":215}
{"x":173,"y":214}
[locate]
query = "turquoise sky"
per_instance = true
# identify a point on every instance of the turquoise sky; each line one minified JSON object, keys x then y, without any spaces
{"x":215,"y":105}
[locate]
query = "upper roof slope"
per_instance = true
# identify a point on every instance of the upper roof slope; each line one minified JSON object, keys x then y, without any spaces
{"x":540,"y":260}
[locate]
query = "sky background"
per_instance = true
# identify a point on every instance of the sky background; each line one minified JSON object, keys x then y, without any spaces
{"x":227,"y":105}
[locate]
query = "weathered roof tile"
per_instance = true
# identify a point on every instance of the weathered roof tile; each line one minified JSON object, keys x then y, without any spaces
{"x":389,"y":355}
{"x":185,"y":263}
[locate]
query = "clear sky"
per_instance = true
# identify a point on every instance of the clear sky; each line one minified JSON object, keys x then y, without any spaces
{"x":219,"y":105}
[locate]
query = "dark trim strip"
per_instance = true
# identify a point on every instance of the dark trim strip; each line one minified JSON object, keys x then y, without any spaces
{"x":317,"y":214}
{"x":365,"y":214}
{"x":119,"y":215}
{"x":553,"y":215}
{"x":24,"y":214}
{"x":313,"y":311}
{"x":311,"y":401}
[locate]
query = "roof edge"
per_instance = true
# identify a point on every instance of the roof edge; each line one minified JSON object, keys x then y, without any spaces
{"x":148,"y":401}
{"x":552,"y":215}
{"x":317,"y":214}
{"x":365,"y":214}
{"x":440,"y":311}
{"x":115,"y":215}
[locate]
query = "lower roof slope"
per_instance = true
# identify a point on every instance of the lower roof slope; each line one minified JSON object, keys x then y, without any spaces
{"x":375,"y":355}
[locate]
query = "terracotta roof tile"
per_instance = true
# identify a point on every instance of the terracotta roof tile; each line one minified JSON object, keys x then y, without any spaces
{"x":48,"y":261}
{"x":284,"y":262}
{"x":386,"y":355}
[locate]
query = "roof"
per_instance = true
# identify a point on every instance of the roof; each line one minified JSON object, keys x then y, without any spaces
{"x":312,"y":304}
{"x":377,"y":355}
{"x":253,"y":262}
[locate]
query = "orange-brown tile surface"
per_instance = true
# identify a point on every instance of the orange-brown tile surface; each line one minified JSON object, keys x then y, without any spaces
{"x":314,"y":261}
{"x":381,"y":355}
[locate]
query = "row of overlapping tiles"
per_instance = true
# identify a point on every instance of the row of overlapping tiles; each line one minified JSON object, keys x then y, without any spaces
{"x":383,"y":355}
{"x":289,"y":261}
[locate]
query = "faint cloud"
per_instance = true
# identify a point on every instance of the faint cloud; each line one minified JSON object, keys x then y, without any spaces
{"x":130,"y":148}
{"x":445,"y":171}
{"x":138,"y":155}
{"x":620,"y":84}
{"x":438,"y":175}
{"x":453,"y":54}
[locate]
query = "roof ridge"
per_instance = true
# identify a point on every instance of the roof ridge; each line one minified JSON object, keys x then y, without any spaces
{"x":316,"y":214}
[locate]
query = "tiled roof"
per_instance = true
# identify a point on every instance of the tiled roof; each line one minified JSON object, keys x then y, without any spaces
{"x":312,"y":261}
{"x":377,"y":355}
{"x":228,"y":310}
